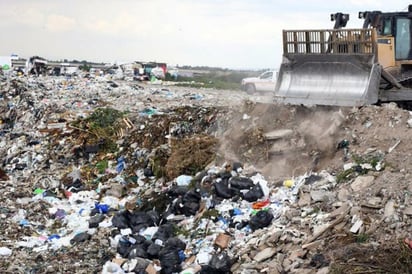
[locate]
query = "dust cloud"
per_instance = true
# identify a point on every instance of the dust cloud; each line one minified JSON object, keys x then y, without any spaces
{"x":309,"y":140}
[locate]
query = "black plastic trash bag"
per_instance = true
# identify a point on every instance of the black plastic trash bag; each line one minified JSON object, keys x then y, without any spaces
{"x":190,"y":208}
{"x":170,"y":260}
{"x":254,"y":194}
{"x":153,"y":251}
{"x":136,"y":221}
{"x":241,"y":182}
{"x":163,"y":233}
{"x":191,"y":203}
{"x":177,"y":206}
{"x":262,"y":219}
{"x":136,"y":265}
{"x":177,"y":191}
{"x":138,"y":252}
{"x":154,"y":216}
{"x":192,"y":196}
{"x":312,"y":179}
{"x":225,"y":175}
{"x":120,"y":220}
{"x":236,"y":166}
{"x":124,"y":247}
{"x":222,"y":189}
{"x":175,"y":243}
{"x":139,"y":220}
{"x":81,"y":237}
{"x":96,"y":220}
{"x":219,"y":264}
{"x":142,"y":241}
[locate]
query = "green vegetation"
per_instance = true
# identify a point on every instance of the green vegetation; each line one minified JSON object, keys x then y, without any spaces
{"x":371,"y":159}
{"x":85,"y":67}
{"x":343,"y":175}
{"x":362,"y":238}
{"x":181,"y":231}
{"x":104,"y":117}
{"x":102,"y":166}
{"x":102,"y":125}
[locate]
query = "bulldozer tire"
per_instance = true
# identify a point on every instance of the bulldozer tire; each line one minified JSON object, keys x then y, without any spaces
{"x":250,"y":89}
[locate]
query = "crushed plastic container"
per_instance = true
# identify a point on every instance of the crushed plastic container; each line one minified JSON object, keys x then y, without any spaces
{"x":112,"y":268}
{"x":183,"y":180}
{"x":5,"y":251}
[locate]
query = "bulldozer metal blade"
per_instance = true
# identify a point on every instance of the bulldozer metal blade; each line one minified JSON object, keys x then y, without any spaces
{"x":328,"y":79}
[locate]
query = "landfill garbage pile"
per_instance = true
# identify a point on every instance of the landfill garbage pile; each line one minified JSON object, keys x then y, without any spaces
{"x":112,"y":177}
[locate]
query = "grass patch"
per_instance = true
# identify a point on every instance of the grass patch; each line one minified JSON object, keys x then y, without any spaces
{"x":104,"y":117}
{"x":344,"y":176}
{"x":102,"y":166}
{"x":362,"y":238}
{"x":373,"y":160}
{"x":181,"y":231}
{"x":102,"y":126}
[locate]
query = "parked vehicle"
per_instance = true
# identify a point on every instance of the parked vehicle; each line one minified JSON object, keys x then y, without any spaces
{"x":264,"y":82}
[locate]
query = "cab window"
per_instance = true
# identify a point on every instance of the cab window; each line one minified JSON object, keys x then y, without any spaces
{"x":387,"y":26}
{"x":266,"y":75}
{"x":403,"y":38}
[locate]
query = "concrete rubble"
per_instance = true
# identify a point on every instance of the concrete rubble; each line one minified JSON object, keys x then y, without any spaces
{"x":111,"y":176}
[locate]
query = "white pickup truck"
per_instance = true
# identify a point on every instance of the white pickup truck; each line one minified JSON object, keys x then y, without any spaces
{"x":264,"y":82}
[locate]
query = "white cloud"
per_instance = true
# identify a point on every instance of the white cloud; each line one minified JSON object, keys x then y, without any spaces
{"x":56,"y":23}
{"x":17,"y":16}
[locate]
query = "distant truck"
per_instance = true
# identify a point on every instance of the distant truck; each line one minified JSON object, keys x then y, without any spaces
{"x":36,"y":65}
{"x":264,"y":82}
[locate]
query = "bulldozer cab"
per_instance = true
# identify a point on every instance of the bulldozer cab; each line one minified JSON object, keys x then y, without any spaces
{"x":394,"y":42}
{"x":346,"y":67}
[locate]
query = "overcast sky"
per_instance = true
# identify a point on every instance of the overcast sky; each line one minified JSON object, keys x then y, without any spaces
{"x":223,"y":33}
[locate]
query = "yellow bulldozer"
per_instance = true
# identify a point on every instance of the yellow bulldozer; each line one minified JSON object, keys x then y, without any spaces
{"x":349,"y":67}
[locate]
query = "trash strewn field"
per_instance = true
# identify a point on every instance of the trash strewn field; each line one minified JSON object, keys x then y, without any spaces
{"x":105,"y":176}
